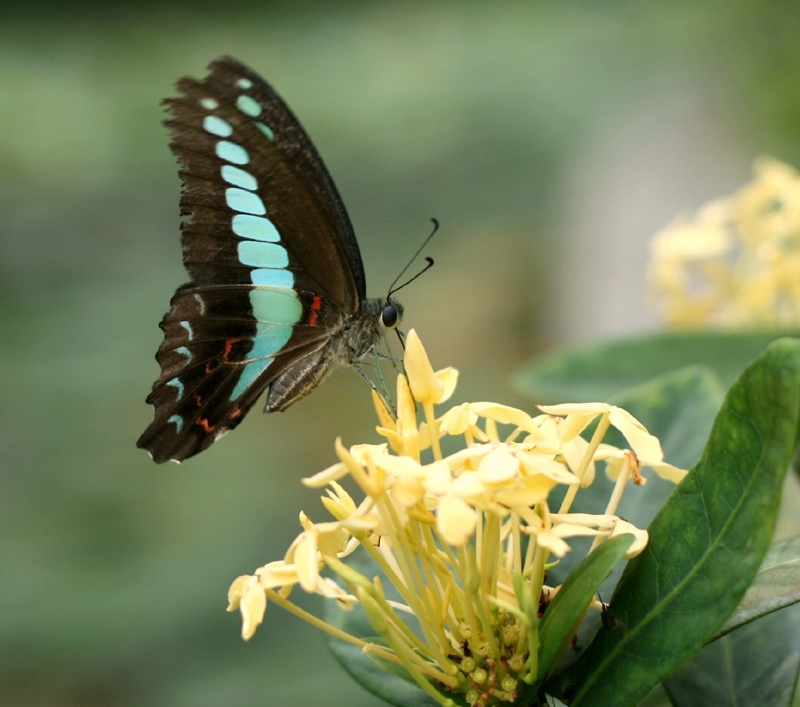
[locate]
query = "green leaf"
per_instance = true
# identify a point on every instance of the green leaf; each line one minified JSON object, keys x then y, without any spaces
{"x":601,"y":371}
{"x":755,"y":656}
{"x":777,"y":585}
{"x":574,"y":596}
{"x":706,"y":543}
{"x":757,"y":664}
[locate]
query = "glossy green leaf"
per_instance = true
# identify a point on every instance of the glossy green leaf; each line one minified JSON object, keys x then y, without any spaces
{"x":706,"y":543}
{"x":757,"y":664}
{"x":575,"y":595}
{"x":601,"y":371}
{"x":777,"y":585}
{"x":755,"y":656}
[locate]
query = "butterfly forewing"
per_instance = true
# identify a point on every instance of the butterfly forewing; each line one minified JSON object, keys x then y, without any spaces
{"x":273,"y":259}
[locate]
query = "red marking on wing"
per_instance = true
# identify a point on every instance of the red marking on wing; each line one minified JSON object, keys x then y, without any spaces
{"x":198,"y":399}
{"x":316,"y":305}
{"x":208,"y":428}
{"x":211,"y":365}
{"x":228,"y":346}
{"x":235,"y":412}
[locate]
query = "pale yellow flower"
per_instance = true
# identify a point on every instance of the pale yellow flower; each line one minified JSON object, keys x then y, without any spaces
{"x":736,"y":263}
{"x":247,"y":595}
{"x":458,"y":535}
{"x":428,"y":386}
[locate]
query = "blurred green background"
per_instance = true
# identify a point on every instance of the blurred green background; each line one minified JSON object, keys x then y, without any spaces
{"x":551,"y":139}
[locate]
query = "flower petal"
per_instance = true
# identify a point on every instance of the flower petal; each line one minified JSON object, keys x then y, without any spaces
{"x":277,"y":574}
{"x":498,"y":468}
{"x":424,"y":384}
{"x":642,"y":442}
{"x":526,"y":493}
{"x":666,"y":471}
{"x":384,"y":416}
{"x":306,"y":560}
{"x":457,"y":420}
{"x":251,"y":602}
{"x":639,"y":544}
{"x":324,"y":477}
{"x":455,"y":521}
{"x":553,"y":543}
{"x":448,"y":377}
{"x":504,"y":414}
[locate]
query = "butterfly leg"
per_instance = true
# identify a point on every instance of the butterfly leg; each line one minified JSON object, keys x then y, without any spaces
{"x":364,"y":375}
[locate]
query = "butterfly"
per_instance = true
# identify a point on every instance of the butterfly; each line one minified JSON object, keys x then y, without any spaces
{"x":277,"y":297}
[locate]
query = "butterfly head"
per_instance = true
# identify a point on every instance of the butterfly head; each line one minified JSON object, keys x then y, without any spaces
{"x":391,"y":315}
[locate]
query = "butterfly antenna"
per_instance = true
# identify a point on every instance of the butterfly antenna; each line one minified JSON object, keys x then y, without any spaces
{"x":392,"y":288}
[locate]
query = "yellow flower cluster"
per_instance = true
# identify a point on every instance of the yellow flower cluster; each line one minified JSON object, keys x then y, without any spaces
{"x":737,"y":262}
{"x":460,"y":536}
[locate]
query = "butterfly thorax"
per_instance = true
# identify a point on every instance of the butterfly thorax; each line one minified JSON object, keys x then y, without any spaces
{"x":363,"y":331}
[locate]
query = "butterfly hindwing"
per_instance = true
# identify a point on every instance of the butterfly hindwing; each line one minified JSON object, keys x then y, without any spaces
{"x":274,"y":263}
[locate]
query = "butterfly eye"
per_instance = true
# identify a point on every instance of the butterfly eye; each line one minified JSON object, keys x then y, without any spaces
{"x":389,"y":316}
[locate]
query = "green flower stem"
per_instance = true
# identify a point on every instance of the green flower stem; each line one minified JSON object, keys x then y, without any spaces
{"x":388,"y":570}
{"x":433,"y":430}
{"x":482,"y":606}
{"x":417,"y":666}
{"x":490,"y":555}
{"x":516,"y":539}
{"x":408,"y":566}
{"x":327,"y":628}
{"x":432,"y":652}
{"x":534,"y":593}
{"x":407,"y":658}
{"x":616,"y":496}
{"x":432,"y":587}
{"x":469,"y":613}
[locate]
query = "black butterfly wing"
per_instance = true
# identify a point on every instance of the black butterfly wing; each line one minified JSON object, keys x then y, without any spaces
{"x":275,"y":266}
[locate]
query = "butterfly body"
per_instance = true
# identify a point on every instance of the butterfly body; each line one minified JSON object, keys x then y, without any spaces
{"x":278,"y":294}
{"x":357,"y":337}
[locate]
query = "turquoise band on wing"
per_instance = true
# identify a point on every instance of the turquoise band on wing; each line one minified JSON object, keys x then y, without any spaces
{"x":255,"y":228}
{"x":231,"y":152}
{"x":266,"y":130}
{"x":217,"y":126}
{"x":244,"y":201}
{"x":251,"y":371}
{"x":270,"y":340}
{"x":178,"y":420}
{"x":175,"y":383}
{"x":249,"y":106}
{"x":238,"y":177}
{"x":276,"y":306}
{"x":272,"y":277}
{"x":262,"y":255}
{"x":189,"y":330}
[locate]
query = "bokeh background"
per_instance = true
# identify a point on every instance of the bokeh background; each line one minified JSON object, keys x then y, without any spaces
{"x":551,"y":139}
